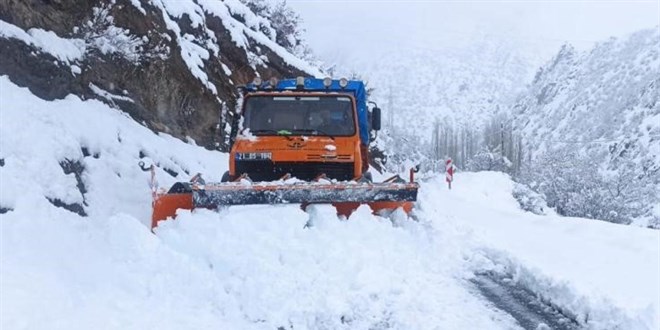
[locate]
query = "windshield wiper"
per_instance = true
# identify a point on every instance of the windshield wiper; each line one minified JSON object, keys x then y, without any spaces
{"x":263,"y":131}
{"x":284,"y":133}
{"x":314,"y":132}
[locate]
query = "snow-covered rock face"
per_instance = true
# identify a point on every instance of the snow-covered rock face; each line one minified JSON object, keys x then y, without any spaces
{"x":604,"y":103}
{"x":173,"y":64}
{"x":609,"y":94}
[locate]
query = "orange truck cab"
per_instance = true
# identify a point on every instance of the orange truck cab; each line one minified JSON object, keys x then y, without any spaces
{"x":304,"y":128}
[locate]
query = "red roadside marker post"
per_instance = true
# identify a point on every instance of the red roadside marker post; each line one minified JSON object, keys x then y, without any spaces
{"x":449,"y":172}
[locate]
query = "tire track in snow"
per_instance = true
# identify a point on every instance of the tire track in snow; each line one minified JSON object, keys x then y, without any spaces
{"x":522,"y":304}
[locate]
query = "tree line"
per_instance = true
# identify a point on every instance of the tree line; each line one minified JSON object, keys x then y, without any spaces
{"x":604,"y":182}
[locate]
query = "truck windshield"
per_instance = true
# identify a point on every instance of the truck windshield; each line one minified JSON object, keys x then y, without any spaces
{"x":306,"y":115}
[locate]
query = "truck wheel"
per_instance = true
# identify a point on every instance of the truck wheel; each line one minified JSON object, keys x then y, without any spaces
{"x":226,"y":177}
{"x":366,"y":177}
{"x":180,"y":188}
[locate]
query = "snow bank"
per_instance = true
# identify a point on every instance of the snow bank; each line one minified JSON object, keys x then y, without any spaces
{"x":39,"y":139}
{"x":608,"y":274}
{"x":245,"y":268}
{"x":73,"y":273}
{"x":288,"y":268}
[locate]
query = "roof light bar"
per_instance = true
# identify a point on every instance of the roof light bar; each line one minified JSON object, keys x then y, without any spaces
{"x":257,"y":82}
{"x":343,"y":82}
{"x":300,"y":82}
{"x":327,"y":82}
{"x":273,"y":82}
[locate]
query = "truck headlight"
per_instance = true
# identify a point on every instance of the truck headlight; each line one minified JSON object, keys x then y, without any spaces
{"x":254,"y":155}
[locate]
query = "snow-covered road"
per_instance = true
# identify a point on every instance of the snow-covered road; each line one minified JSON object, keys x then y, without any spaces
{"x":264,"y":267}
{"x":607,"y":275}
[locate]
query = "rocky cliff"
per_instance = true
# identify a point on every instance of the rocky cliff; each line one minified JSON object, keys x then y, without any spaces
{"x":172,"y":65}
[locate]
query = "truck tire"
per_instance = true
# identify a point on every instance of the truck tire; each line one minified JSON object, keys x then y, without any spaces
{"x":366,"y":177}
{"x":180,"y":188}
{"x":226,"y":177}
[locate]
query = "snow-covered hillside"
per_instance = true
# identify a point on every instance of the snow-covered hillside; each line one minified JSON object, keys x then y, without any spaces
{"x":264,"y":267}
{"x":606,"y":98}
{"x":173,"y":65}
{"x":600,"y":107}
{"x":84,"y":155}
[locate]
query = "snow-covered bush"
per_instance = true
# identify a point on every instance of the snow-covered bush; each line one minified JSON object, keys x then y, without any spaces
{"x":486,"y":160}
{"x":529,"y":200}
{"x":576,"y":185}
{"x":285,"y":22}
{"x":654,"y":220}
{"x":401,"y":151}
{"x":101,"y":34}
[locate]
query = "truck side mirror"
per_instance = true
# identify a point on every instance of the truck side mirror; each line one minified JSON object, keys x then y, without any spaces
{"x":375,"y":119}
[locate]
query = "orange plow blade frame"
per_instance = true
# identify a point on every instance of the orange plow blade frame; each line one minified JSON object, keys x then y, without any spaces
{"x":345,"y":197}
{"x":165,"y":206}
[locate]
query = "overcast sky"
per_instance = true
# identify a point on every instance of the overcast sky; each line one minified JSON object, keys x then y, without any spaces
{"x":348,"y":29}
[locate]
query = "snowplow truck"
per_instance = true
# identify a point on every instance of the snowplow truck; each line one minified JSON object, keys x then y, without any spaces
{"x":302,"y":140}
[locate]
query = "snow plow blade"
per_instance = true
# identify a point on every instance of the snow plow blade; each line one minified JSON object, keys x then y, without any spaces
{"x":383,"y":197}
{"x":345,"y":197}
{"x":214,"y":195}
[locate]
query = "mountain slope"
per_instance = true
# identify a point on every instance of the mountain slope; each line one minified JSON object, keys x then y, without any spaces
{"x":173,"y":65}
{"x":601,"y":108}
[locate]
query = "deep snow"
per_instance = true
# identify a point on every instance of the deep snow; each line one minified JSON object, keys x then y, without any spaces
{"x":271,"y":266}
{"x":245,"y":267}
{"x":603,"y":272}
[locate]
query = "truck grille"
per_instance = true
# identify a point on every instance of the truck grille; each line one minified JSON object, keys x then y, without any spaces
{"x":324,"y":157}
{"x":266,"y":170}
